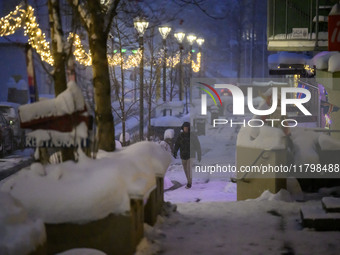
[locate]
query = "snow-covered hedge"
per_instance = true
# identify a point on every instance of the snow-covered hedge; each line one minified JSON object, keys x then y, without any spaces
{"x":90,"y":189}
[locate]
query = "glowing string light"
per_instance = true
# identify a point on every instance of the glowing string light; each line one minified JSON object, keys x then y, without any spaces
{"x":196,"y":66}
{"x":13,"y":21}
{"x":79,"y":53}
{"x":36,"y":38}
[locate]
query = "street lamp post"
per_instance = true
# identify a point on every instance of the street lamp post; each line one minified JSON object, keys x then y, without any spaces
{"x":164,"y":31}
{"x":141,"y":25}
{"x":200,"y":42}
{"x":179,"y":37}
{"x":191,"y":39}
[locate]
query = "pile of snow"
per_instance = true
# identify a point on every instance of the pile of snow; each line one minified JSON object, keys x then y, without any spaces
{"x":320,"y":60}
{"x":266,"y":137}
{"x":169,"y":134}
{"x":118,"y":145}
{"x":127,"y":137}
{"x":334,"y":63}
{"x":90,"y":189}
{"x":327,"y":61}
{"x":69,"y":101}
{"x":166,"y":121}
{"x":18,"y":233}
{"x":82,"y":251}
{"x":282,"y":195}
{"x":305,"y":146}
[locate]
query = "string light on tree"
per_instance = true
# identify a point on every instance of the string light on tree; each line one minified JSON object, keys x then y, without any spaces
{"x":13,"y":21}
{"x":36,"y":38}
{"x":79,"y":53}
{"x":196,"y":66}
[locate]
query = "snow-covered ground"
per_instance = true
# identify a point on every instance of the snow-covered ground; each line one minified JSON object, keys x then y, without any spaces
{"x":245,"y":227}
{"x":209,"y":220}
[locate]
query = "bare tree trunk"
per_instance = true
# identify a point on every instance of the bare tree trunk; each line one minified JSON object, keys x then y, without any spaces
{"x":97,"y":23}
{"x":58,"y":52}
{"x":101,"y":79}
{"x":59,"y":56}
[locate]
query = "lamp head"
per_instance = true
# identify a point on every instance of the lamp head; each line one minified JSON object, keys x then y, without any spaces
{"x":165,"y":31}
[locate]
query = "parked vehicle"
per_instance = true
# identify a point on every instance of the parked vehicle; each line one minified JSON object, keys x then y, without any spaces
{"x":10,"y":112}
{"x":6,"y":136}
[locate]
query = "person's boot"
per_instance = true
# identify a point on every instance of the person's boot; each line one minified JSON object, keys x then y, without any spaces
{"x":188,"y":186}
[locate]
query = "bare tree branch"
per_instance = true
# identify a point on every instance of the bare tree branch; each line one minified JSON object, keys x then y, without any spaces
{"x":112,"y":12}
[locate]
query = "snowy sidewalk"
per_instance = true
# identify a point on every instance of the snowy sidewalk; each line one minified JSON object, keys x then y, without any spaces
{"x":246,"y":227}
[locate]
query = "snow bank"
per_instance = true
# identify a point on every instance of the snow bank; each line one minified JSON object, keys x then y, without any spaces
{"x":282,"y":195}
{"x":327,"y":142}
{"x":18,"y":233}
{"x":150,"y":155}
{"x":68,"y":102}
{"x":321,"y":59}
{"x":268,"y":138}
{"x":305,"y":142}
{"x":90,"y":189}
{"x":118,"y":145}
{"x":166,"y":121}
{"x":334,"y":63}
{"x":127,"y":137}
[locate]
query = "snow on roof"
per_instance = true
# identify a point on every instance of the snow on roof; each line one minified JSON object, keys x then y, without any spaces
{"x":19,"y":233}
{"x":267,"y":138}
{"x":166,"y":121}
{"x":287,"y":58}
{"x":90,"y":189}
{"x":68,"y":102}
{"x":292,"y":58}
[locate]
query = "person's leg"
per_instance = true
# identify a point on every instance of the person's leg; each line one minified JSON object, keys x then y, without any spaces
{"x":189,"y":164}
{"x":187,"y":170}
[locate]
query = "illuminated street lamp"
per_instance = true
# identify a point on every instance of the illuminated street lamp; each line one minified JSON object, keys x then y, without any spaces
{"x":191,"y":39}
{"x":180,"y":37}
{"x":200,"y":42}
{"x":164,"y":33}
{"x":141,"y":25}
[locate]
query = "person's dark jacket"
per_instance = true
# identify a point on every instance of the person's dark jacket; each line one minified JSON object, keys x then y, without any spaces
{"x":187,"y":149}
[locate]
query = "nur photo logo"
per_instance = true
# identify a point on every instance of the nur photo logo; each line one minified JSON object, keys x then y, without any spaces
{"x":281,"y":99}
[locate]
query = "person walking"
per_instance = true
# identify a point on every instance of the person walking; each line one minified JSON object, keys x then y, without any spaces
{"x":187,"y":151}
